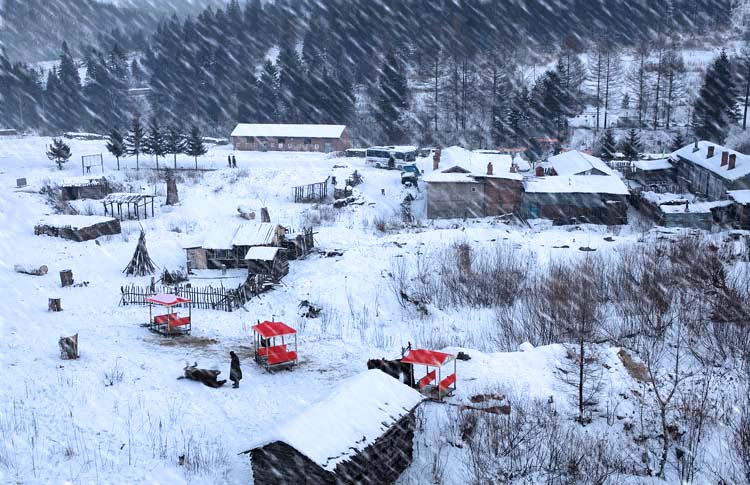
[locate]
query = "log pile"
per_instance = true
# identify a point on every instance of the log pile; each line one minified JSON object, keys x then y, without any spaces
{"x":31,"y":270}
{"x":141,"y":263}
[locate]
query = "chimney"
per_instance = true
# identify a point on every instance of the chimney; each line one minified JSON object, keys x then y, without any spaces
{"x":489,"y":168}
{"x":732,"y":161}
{"x":710,"y":152}
{"x":695,"y":146}
{"x":724,"y":158}
{"x":436,"y":158}
{"x":539,"y":171}
{"x":513,"y":168}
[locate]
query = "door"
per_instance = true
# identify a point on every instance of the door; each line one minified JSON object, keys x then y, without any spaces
{"x":264,"y":146}
{"x":328,"y":147}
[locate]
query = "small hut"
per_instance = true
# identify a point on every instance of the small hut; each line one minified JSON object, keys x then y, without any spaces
{"x":268,"y":261}
{"x":362,"y":433}
{"x":75,"y":188}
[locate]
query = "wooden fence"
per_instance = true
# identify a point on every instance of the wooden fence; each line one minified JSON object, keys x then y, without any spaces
{"x":206,"y":297}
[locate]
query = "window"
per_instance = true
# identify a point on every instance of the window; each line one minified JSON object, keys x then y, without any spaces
{"x":308,"y":141}
{"x":473,"y":189}
{"x":281,"y":141}
{"x":317,"y":146}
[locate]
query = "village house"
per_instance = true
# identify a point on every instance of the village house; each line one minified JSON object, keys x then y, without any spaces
{"x":75,"y":188}
{"x":574,"y":187}
{"x":710,"y":170}
{"x":287,"y":137}
{"x":363,"y":432}
{"x":227,"y":247}
{"x":655,"y":174}
{"x":472,"y":184}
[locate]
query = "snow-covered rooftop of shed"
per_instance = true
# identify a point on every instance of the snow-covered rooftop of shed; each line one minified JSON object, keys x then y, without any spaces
{"x":475,"y":163}
{"x":72,"y":221}
{"x":248,"y":234}
{"x":358,"y":411}
{"x":649,"y":165}
{"x":291,"y":131}
{"x":576,"y":184}
{"x":740,"y":196}
{"x":262,"y":253}
{"x":81,"y":181}
{"x":574,"y":162}
{"x":713,"y":164}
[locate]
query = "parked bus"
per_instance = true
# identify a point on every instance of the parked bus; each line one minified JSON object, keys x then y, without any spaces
{"x":379,"y":157}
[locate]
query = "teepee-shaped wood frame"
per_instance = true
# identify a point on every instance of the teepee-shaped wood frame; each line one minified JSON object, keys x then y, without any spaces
{"x":141,"y":263}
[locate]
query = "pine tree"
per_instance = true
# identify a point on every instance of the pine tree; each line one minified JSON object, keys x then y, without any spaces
{"x":136,"y":72}
{"x":608,"y":146}
{"x":59,"y":152}
{"x":392,"y":98}
{"x":714,"y":109}
{"x":631,"y":146}
{"x":195,"y":146}
{"x":135,"y":140}
{"x":175,"y":141}
{"x":268,"y":94}
{"x":70,"y":90}
{"x":116,"y":146}
{"x":677,"y":142}
{"x":154,"y":142}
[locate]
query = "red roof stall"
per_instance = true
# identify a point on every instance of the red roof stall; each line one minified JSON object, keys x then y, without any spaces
{"x":432,"y":358}
{"x":169,"y":323}
{"x":268,"y":352}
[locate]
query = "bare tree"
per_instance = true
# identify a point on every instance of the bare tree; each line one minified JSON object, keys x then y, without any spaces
{"x":638,"y":79}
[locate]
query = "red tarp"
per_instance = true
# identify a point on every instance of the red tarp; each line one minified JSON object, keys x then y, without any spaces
{"x":167,"y":299}
{"x":430,"y":358}
{"x":273,"y":329}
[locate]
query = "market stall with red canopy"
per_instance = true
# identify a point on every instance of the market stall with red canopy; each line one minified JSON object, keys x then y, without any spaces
{"x":169,"y":323}
{"x":436,"y":360}
{"x":268,"y":352}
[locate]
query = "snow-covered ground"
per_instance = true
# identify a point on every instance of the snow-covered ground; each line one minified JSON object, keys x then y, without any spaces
{"x":119,"y":414}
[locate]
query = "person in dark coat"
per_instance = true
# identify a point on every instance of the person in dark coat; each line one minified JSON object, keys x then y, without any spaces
{"x":235,"y":373}
{"x":234,"y":161}
{"x":229,"y":160}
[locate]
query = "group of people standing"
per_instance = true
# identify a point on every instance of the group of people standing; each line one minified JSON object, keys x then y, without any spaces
{"x":232,"y":161}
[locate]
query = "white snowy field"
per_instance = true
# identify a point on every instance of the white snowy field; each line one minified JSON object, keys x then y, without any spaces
{"x":119,"y":414}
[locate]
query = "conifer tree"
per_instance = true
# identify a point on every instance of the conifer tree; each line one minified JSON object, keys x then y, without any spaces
{"x":175,"y":141}
{"x":608,"y":146}
{"x":392,"y":98}
{"x":631,"y":145}
{"x":116,"y":146}
{"x":154,"y":142}
{"x":70,"y":90}
{"x":59,"y":152}
{"x":715,"y":107}
{"x":195,"y":146}
{"x":677,"y":142}
{"x":135,"y":140}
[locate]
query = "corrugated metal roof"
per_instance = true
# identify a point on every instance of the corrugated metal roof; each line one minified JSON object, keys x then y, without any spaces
{"x":291,"y":131}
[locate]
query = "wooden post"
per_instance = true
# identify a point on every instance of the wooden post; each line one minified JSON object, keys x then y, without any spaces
{"x":54,"y":305}
{"x":264,"y":215}
{"x":66,"y":277}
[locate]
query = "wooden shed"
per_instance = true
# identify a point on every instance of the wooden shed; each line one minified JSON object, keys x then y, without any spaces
{"x":74,"y":188}
{"x":363,"y":432}
{"x":268,"y":261}
{"x":227,"y":246}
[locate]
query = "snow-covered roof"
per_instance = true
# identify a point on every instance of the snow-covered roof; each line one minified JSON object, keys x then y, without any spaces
{"x":125,"y":198}
{"x":262,"y":253}
{"x":74,"y":222}
{"x":255,"y":234}
{"x":358,"y":411}
{"x":742,"y":166}
{"x":740,"y":196}
{"x":649,"y":165}
{"x":475,"y":165}
{"x":291,"y":131}
{"x":395,"y":148}
{"x":248,"y":234}
{"x":575,"y":163}
{"x":81,"y":181}
{"x":576,"y":184}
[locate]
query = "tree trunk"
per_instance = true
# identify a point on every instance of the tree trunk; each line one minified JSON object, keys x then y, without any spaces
{"x":137,"y":164}
{"x":665,"y":441}
{"x":580,"y":380}
{"x":436,"y":92}
{"x":118,"y":163}
{"x":606,"y":92}
{"x":747,"y":96}
{"x":658,"y":89}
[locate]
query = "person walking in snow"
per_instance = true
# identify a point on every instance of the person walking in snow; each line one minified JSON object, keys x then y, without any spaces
{"x":234,"y":161}
{"x":235,"y":373}
{"x":229,"y":160}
